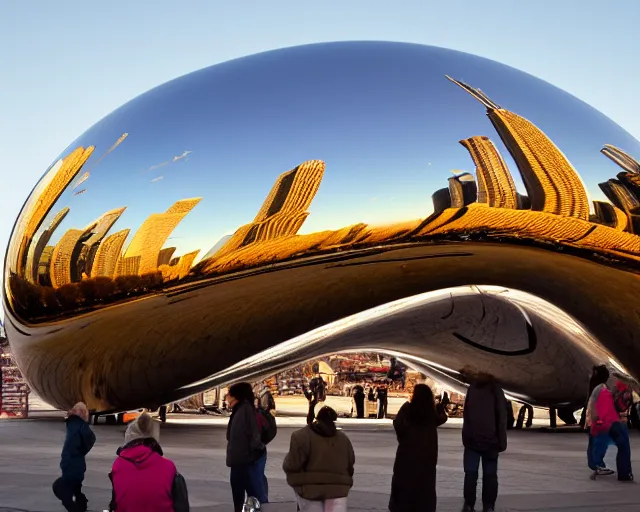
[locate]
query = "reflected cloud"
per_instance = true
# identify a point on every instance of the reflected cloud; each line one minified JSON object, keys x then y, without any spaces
{"x":154,"y":180}
{"x":173,"y":160}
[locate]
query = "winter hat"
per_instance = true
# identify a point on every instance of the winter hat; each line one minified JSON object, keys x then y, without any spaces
{"x":80,"y":410}
{"x":143,"y":427}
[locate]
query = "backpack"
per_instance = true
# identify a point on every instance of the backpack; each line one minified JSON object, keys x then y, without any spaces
{"x":267,"y":425}
{"x":622,"y":397}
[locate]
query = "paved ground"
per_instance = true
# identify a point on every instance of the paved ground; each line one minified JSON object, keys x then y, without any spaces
{"x":539,"y":472}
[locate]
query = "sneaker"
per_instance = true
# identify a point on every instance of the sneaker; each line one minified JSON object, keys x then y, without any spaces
{"x":604,"y":471}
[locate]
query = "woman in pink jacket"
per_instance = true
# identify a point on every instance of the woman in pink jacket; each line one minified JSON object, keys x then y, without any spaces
{"x":143,"y":479}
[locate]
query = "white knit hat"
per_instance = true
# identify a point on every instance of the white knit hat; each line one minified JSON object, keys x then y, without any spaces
{"x":143,"y":427}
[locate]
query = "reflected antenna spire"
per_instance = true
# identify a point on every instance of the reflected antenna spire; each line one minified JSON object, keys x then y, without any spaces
{"x":622,"y":158}
{"x":477,"y":94}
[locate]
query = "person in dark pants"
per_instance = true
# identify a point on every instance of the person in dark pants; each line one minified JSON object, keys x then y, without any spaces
{"x":316,"y":392}
{"x":245,"y":449}
{"x":413,"y":485}
{"x":484,"y":436}
{"x":358,"y":398}
{"x":382,"y":401}
{"x":77,"y":444}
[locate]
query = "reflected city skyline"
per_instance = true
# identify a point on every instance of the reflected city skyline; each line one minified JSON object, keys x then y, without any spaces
{"x":554,"y":188}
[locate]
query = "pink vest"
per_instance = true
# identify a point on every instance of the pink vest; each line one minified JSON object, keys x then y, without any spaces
{"x":605,"y":413}
{"x":142,"y":481}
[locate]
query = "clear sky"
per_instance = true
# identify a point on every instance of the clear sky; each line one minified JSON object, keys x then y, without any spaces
{"x":67,"y":64}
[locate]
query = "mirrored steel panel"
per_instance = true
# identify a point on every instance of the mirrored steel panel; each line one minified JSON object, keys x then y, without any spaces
{"x":227,"y":224}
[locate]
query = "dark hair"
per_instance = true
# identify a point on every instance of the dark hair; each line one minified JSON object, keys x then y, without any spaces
{"x":600,"y":375}
{"x":423,"y":405}
{"x":315,"y":368}
{"x":242,"y":391}
{"x":327,"y":415}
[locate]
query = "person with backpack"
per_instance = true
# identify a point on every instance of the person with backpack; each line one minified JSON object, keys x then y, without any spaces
{"x":484,"y":436}
{"x":268,"y":430}
{"x":607,"y":403}
{"x":319,"y":465}
{"x":143,"y":480}
{"x":246,"y":453}
{"x":78,"y":442}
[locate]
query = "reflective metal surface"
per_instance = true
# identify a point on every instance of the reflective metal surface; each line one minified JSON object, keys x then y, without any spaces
{"x":430,"y":204}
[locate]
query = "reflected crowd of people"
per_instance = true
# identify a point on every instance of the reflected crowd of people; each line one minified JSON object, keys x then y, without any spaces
{"x":320,"y":463}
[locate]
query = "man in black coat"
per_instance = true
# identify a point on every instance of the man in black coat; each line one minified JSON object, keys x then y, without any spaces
{"x":77,"y":444}
{"x":484,"y":435}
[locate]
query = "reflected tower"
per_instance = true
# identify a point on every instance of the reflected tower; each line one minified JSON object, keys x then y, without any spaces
{"x":42,"y":199}
{"x":552,"y":183}
{"x":149,"y":239}
{"x":462,"y":190}
{"x":35,"y":251}
{"x":285,"y":208}
{"x":108,"y":255}
{"x":495,"y":183}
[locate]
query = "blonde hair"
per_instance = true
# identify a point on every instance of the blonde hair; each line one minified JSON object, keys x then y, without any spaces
{"x":80,"y":410}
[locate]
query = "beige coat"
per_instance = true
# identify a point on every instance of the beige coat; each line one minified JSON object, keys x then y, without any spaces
{"x":319,"y":465}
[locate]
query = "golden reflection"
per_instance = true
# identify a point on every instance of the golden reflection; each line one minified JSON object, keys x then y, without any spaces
{"x":89,"y":267}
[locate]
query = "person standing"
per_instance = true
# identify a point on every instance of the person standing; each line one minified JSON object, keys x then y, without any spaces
{"x":484,"y":436}
{"x":605,"y":408}
{"x":246,"y":452}
{"x":319,"y":465}
{"x":78,"y":442}
{"x":143,"y":479}
{"x":382,"y":401}
{"x":267,"y":403}
{"x":413,"y":485}
{"x":316,"y":392}
{"x":596,"y":452}
{"x":358,"y":398}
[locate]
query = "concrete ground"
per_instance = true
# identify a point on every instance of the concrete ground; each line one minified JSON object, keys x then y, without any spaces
{"x":539,"y":472}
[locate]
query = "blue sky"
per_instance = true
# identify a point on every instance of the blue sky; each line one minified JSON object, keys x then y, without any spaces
{"x":67,"y":64}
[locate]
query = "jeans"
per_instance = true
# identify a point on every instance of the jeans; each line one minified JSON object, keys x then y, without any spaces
{"x":241,"y":486}
{"x":259,"y":480}
{"x":66,"y":490}
{"x":489,"y":477}
{"x":597,"y":449}
{"x":620,"y":436}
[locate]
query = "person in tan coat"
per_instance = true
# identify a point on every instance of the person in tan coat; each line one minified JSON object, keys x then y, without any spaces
{"x":319,"y":465}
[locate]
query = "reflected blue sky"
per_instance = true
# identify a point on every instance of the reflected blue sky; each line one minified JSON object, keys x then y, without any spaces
{"x":381,"y":115}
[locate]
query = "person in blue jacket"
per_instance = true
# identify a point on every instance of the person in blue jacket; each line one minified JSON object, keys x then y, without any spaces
{"x":78,"y":442}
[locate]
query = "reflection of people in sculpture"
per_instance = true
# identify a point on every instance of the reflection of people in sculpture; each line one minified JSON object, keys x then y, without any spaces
{"x":316,"y":392}
{"x":358,"y":398}
{"x":526,"y":408}
{"x":382,"y":401}
{"x":396,"y":373}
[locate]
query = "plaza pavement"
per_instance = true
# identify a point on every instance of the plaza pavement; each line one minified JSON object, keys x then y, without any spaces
{"x":539,"y":472}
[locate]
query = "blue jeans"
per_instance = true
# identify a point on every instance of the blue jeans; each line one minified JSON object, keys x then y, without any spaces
{"x":597,"y":449}
{"x":619,"y":434}
{"x":259,"y":480}
{"x":489,"y":477}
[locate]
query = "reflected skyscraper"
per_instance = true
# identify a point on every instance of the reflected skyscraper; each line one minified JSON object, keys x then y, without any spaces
{"x":44,"y":197}
{"x":622,"y":158}
{"x":218,"y":245}
{"x":91,"y":244}
{"x":462,"y":190}
{"x":180,"y":268}
{"x":495,"y":183}
{"x":129,"y":266}
{"x":108,"y":254}
{"x":149,"y":239}
{"x":441,"y":200}
{"x":609,"y":215}
{"x":552,"y":183}
{"x":285,"y":208}
{"x":164,"y":258}
{"x":35,"y":251}
{"x":63,"y":255}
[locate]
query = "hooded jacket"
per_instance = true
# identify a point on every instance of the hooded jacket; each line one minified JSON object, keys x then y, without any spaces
{"x":319,"y":465}
{"x":484,"y":427}
{"x":78,"y":442}
{"x":142,"y":478}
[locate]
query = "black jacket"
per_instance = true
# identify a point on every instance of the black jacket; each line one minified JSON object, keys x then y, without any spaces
{"x":78,"y":442}
{"x":485,"y":419}
{"x":414,"y":470}
{"x":244,"y":444}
